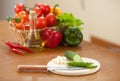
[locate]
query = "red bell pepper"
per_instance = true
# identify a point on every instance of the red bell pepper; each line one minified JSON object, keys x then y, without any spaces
{"x":51,"y":38}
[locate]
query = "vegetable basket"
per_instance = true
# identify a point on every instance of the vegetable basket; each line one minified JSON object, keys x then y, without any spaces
{"x":49,"y":29}
{"x":20,"y":34}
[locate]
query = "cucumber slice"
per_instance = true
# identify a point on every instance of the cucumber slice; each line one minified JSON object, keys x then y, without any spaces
{"x":77,"y":58}
{"x":72,"y":56}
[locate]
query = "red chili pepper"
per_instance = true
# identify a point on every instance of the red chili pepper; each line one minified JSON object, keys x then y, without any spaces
{"x":17,"y":46}
{"x":17,"y":51}
{"x":51,"y":38}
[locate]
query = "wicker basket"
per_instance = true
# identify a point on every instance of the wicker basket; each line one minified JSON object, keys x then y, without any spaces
{"x":20,"y":34}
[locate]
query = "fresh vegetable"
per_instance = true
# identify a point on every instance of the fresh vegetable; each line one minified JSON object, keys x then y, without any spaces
{"x":72,"y":56}
{"x":51,"y":38}
{"x":37,"y":4}
{"x":45,"y":8}
{"x":67,"y":19}
{"x":72,"y":36}
{"x":76,"y":60}
{"x":17,"y":46}
{"x":81,"y":64}
{"x":38,"y":11}
{"x":66,"y":26}
{"x":23,"y":19}
{"x":56,"y":10}
{"x":51,"y":19}
{"x":20,"y":19}
{"x":19,"y":7}
{"x":41,"y":22}
{"x":17,"y":51}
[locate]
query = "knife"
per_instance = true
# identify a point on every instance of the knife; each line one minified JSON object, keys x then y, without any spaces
{"x":44,"y":68}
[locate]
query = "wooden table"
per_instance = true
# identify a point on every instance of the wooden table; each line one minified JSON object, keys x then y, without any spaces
{"x":110,"y":62}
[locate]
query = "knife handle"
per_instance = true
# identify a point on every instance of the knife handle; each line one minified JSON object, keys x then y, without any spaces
{"x":32,"y":68}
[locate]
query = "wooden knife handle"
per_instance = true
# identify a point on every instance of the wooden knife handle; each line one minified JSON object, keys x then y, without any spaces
{"x":32,"y":68}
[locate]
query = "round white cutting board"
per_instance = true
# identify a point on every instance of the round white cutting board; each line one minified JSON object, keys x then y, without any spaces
{"x":84,"y":71}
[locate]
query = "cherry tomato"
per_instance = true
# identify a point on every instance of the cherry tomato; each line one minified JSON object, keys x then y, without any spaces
{"x":18,"y":8}
{"x":37,"y":4}
{"x":51,"y":19}
{"x":41,"y":22}
{"x":38,"y":11}
{"x":45,"y":8}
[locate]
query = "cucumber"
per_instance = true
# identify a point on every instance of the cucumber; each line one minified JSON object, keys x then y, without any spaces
{"x":81,"y":64}
{"x":72,"y":56}
{"x":75,"y":60}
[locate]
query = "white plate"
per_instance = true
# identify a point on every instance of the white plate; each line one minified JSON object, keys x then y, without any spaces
{"x":74,"y":72}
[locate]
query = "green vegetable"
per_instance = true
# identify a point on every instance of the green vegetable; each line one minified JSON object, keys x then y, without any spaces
{"x":67,"y":19}
{"x":72,"y":56}
{"x":81,"y":64}
{"x":75,"y":60}
{"x":72,"y":36}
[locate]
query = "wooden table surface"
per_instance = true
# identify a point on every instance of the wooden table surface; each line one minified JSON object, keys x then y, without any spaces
{"x":110,"y":62}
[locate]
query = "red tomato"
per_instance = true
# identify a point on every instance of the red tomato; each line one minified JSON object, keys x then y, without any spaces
{"x":37,"y":4}
{"x":51,"y":19}
{"x":18,"y":8}
{"x":38,"y":11}
{"x":41,"y":22}
{"x":45,"y":8}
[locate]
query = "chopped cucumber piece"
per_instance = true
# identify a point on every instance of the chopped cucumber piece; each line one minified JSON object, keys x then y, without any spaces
{"x":72,"y":56}
{"x":77,"y":58}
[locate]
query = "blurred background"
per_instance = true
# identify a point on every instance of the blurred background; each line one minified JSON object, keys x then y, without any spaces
{"x":101,"y":17}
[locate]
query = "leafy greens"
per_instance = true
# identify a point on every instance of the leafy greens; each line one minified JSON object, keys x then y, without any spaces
{"x":67,"y":19}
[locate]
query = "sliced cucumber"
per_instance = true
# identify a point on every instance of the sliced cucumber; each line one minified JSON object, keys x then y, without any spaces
{"x":77,"y":58}
{"x":72,"y":56}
